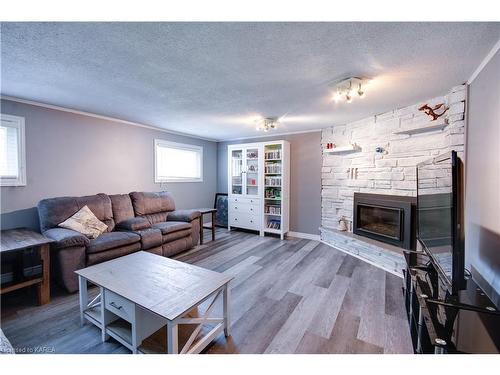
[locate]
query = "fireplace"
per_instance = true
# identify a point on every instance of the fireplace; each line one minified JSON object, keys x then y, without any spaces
{"x":387,"y":218}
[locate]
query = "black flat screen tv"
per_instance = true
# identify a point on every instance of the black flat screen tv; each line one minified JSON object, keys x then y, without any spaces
{"x":440,"y":217}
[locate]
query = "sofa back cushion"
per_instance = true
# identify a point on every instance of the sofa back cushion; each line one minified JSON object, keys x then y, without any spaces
{"x":153,"y":206}
{"x":122,"y":207}
{"x":54,"y":211}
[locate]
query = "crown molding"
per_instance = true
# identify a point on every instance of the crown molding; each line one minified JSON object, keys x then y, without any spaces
{"x":268,"y":135}
{"x":101,"y":117}
{"x":485,"y":61}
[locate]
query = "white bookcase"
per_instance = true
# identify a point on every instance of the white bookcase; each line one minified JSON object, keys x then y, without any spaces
{"x":259,"y":186}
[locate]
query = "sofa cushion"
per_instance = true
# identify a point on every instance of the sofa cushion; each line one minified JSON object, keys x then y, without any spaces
{"x":112,"y":240}
{"x":133,"y":224}
{"x":122,"y":207}
{"x":53,"y":211}
{"x":103,"y":256}
{"x":183,"y":215}
{"x":167,"y":227}
{"x":85,"y":222}
{"x":169,"y":237}
{"x":153,"y":206}
{"x":175,"y":247}
{"x":150,"y":238}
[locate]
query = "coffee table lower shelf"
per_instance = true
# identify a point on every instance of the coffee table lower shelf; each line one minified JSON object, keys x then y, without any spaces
{"x":147,"y":333}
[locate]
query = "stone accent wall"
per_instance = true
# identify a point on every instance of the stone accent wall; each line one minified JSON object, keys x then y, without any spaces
{"x":394,"y":170}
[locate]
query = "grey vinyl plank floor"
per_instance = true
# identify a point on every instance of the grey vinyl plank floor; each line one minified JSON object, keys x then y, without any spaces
{"x":291,"y":296}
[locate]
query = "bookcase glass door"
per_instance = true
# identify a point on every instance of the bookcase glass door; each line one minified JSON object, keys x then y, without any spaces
{"x":252,"y":172}
{"x":237,"y":171}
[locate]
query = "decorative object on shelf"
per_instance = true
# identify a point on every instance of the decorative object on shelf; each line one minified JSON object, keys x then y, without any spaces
{"x":252,"y":155}
{"x":344,"y":149}
{"x":267,"y":124}
{"x":343,"y":224}
{"x":431,"y":111}
{"x":330,"y":145}
{"x":349,"y":88}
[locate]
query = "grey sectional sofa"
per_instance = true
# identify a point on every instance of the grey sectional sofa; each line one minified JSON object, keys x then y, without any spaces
{"x":136,"y":221}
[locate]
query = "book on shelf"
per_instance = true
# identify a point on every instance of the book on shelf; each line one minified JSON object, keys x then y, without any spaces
{"x":273,"y":168}
{"x":274,"y":224}
{"x":273,"y":210}
{"x":273,"y":181}
{"x":272,"y":155}
{"x":272,"y":193}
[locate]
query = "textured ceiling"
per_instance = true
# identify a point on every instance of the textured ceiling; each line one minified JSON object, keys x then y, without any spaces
{"x":212,"y":79}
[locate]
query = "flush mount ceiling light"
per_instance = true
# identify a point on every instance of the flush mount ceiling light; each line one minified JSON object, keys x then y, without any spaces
{"x":349,"y":88}
{"x":267,"y":124}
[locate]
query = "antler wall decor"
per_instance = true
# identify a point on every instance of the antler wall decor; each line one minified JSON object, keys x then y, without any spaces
{"x":431,"y":111}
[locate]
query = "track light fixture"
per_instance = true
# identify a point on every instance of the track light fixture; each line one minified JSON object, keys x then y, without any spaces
{"x":349,"y":88}
{"x":267,"y":124}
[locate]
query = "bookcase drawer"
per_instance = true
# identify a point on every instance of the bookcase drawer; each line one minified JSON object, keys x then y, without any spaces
{"x":244,"y":200}
{"x":245,"y":208}
{"x":243,"y":220}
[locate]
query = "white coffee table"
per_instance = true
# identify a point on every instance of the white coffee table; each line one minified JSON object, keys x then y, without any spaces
{"x":142,"y":292}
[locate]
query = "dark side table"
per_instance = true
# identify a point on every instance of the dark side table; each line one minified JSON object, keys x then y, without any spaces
{"x":17,"y":240}
{"x":205,"y":211}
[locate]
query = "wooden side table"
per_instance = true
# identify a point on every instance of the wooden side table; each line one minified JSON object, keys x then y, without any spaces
{"x":204,"y":211}
{"x":21,"y":239}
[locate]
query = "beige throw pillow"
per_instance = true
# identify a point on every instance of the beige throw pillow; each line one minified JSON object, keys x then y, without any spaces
{"x":85,"y":222}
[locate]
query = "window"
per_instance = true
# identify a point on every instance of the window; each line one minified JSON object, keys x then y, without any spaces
{"x":177,"y":162}
{"x":12,"y":154}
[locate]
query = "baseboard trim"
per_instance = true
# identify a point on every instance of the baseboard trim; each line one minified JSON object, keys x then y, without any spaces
{"x":307,"y":236}
{"x":364,"y":260}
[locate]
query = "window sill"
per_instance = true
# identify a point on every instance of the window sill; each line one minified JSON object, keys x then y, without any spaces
{"x":12,"y":184}
{"x":179,"y":180}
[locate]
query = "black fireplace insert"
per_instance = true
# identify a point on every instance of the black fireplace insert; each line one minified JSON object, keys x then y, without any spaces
{"x":387,"y":218}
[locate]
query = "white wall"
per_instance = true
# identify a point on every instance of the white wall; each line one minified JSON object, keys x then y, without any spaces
{"x":70,"y":154}
{"x":393,"y":171}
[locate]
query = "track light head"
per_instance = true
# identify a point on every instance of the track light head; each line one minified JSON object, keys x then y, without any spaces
{"x":361,"y":93}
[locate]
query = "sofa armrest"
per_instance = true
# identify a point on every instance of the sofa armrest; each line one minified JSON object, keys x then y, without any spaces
{"x":66,"y":237}
{"x":133,"y":224}
{"x":183,"y":215}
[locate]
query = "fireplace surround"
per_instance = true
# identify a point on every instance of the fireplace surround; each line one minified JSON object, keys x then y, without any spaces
{"x":386,"y":218}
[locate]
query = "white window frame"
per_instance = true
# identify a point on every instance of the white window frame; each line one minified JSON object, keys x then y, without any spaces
{"x":18,"y":123}
{"x":181,"y":146}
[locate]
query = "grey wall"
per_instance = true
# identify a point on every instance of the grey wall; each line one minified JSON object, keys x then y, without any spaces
{"x":305,"y":178}
{"x":482,"y":215}
{"x":70,"y":154}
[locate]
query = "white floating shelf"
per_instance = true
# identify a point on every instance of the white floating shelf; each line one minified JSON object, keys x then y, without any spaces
{"x":343,"y":150}
{"x":424,"y":129}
